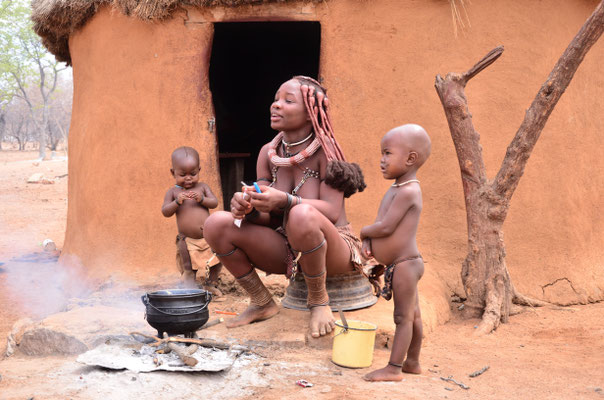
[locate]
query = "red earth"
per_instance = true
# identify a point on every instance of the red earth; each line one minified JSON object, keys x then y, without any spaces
{"x":540,"y":354}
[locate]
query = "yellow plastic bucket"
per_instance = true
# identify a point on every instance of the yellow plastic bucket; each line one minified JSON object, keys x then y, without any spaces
{"x":353,"y":347}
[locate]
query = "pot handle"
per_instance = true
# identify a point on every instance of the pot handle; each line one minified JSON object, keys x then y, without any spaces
{"x":147,"y":303}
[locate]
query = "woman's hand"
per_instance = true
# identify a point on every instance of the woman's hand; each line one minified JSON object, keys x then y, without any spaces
{"x":240,"y":205}
{"x":270,"y":199}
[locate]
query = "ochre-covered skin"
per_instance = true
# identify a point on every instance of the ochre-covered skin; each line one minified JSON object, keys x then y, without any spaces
{"x":141,"y":90}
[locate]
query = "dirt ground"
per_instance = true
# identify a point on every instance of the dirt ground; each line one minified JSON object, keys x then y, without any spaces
{"x":539,"y":354}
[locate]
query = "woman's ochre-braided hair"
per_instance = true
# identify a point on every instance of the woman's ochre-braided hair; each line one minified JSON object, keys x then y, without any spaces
{"x":340,"y":174}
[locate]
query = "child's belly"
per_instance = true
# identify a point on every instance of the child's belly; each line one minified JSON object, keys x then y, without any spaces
{"x":190,"y":221}
{"x":394,"y":247}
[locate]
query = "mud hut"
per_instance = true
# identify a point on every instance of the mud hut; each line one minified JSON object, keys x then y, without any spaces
{"x":150,"y":76}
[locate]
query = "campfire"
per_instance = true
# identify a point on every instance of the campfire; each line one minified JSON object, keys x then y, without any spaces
{"x":144,"y":353}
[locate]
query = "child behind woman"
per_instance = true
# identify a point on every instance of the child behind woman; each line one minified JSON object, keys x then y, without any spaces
{"x":391,"y":240}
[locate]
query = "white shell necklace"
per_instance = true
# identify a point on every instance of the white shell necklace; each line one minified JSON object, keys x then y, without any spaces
{"x":297,"y":143}
{"x":404,"y":183}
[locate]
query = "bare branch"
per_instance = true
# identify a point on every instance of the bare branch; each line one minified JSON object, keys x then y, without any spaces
{"x":537,"y":115}
{"x":487,"y":60}
{"x":42,"y":79}
{"x":22,"y":90}
{"x":465,"y":137}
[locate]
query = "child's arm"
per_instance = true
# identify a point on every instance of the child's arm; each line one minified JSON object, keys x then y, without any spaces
{"x":209,"y":200}
{"x":400,"y":205}
{"x":170,"y":205}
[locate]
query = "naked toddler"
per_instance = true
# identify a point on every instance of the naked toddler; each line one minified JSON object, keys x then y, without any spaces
{"x":391,"y":241}
{"x":190,"y":200}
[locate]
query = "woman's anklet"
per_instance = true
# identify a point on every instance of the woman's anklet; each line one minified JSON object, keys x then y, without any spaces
{"x":395,"y":364}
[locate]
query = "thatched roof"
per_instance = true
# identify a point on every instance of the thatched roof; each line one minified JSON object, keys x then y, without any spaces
{"x":55,"y":20}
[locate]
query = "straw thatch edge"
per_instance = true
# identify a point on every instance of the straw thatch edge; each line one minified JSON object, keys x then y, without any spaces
{"x":55,"y":20}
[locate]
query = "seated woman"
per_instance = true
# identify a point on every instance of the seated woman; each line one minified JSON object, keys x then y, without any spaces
{"x":299,"y":218}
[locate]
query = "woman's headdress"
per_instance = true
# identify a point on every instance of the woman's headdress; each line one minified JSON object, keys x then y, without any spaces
{"x":341,"y":175}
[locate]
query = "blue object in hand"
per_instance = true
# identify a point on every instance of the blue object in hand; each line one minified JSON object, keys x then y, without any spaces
{"x":257,"y":188}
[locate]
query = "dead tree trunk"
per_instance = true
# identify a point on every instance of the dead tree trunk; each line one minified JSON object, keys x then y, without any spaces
{"x":485,"y":277}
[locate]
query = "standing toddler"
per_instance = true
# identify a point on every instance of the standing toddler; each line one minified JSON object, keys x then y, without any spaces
{"x":391,"y":240}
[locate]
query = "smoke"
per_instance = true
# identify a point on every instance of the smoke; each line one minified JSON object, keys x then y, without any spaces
{"x":41,"y":288}
{"x":32,"y":283}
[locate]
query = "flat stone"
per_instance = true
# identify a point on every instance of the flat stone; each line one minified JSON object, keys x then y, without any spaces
{"x":15,"y":335}
{"x":75,"y":331}
{"x":45,"y":342}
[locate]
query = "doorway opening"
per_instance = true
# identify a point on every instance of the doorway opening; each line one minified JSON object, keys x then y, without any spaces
{"x":248,"y":63}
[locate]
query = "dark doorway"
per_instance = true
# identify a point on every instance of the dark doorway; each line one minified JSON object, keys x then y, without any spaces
{"x":249,"y":61}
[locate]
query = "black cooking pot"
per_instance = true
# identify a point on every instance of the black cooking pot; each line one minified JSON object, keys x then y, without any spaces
{"x":177,"y":311}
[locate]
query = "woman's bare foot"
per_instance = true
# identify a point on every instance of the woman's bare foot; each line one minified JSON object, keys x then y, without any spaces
{"x":411,"y":367}
{"x":253,"y":314}
{"x":322,"y":321}
{"x":388,"y":373}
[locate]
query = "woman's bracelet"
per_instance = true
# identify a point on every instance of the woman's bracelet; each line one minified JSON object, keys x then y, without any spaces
{"x":288,"y":203}
{"x":292,"y":200}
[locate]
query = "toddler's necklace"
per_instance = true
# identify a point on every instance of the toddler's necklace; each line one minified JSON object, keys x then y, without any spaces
{"x":288,"y":145}
{"x":404,"y":183}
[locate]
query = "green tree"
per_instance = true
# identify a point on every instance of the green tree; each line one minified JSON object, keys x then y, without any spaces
{"x":24,"y":62}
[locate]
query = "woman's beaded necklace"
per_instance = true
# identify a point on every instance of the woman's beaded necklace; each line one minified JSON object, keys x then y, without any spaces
{"x":296,"y":159}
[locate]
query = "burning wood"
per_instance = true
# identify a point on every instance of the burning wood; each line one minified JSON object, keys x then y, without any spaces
{"x":184,"y":353}
{"x":172,"y":339}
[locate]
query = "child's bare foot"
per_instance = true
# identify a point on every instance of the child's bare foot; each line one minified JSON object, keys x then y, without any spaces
{"x":388,"y":373}
{"x":188,"y":280}
{"x":253,"y":314}
{"x":411,"y":367}
{"x":214,"y":272}
{"x":322,"y":321}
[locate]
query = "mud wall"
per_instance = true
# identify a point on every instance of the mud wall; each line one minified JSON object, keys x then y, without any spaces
{"x":140,"y":90}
